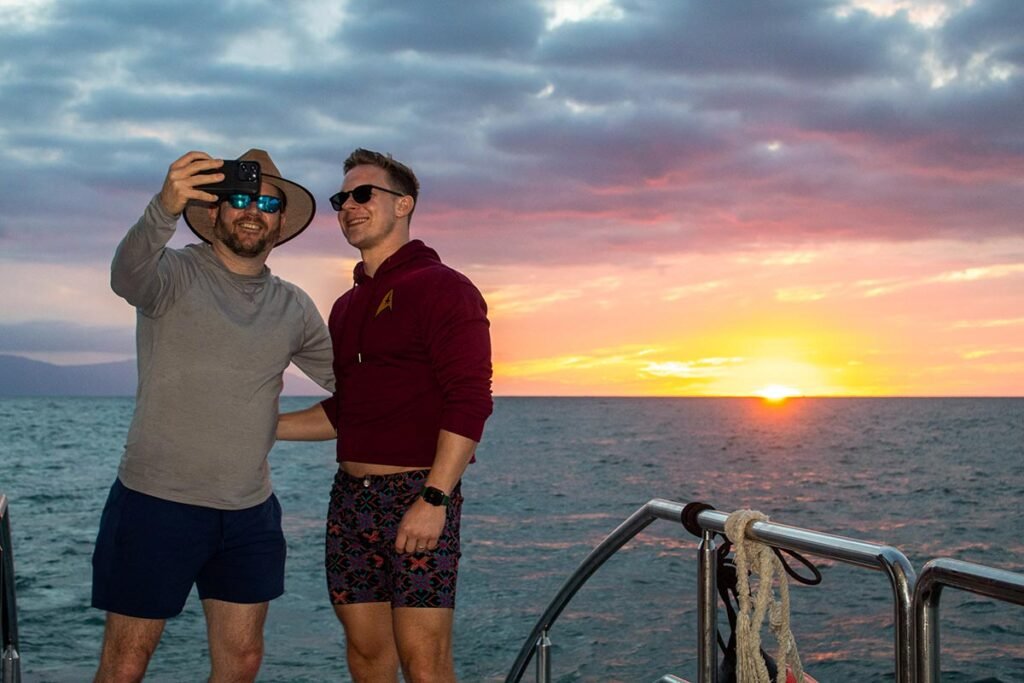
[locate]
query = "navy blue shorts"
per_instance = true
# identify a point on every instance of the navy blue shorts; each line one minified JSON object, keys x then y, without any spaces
{"x":150,"y":552}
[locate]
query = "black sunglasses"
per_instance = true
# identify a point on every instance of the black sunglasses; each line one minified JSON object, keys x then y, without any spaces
{"x":360,"y":194}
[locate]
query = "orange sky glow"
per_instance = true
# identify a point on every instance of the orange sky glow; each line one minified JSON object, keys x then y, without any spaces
{"x":864,"y":320}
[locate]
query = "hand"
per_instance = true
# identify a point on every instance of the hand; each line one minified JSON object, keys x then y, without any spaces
{"x":180,"y":183}
{"x":420,"y":527}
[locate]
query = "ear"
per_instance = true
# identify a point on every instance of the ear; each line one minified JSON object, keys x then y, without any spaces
{"x":404,"y":206}
{"x":213,"y":213}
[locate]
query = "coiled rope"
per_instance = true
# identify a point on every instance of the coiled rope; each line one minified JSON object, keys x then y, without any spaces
{"x":757,"y":558}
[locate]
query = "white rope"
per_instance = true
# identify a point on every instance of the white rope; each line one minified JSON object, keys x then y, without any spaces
{"x":758,"y":558}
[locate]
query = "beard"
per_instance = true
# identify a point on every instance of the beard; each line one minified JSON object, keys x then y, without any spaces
{"x":242,"y":244}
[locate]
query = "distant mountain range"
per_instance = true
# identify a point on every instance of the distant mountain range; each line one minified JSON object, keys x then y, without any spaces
{"x":23,"y":377}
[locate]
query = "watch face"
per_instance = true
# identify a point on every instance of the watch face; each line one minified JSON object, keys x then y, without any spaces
{"x":434,"y":496}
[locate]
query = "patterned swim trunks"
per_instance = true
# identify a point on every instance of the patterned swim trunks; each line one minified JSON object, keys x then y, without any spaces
{"x":361,"y":560}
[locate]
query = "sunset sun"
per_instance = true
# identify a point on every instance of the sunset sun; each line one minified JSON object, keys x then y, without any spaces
{"x":777,"y":392}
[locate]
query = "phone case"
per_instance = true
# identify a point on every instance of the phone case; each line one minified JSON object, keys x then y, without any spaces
{"x":240,"y":177}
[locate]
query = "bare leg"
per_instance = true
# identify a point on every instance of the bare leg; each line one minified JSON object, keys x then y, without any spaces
{"x":369,"y":642}
{"x":424,"y":637}
{"x":235,"y":632}
{"x":128,"y":645}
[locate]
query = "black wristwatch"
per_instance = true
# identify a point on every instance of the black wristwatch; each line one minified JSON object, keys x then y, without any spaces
{"x":435,"y":496}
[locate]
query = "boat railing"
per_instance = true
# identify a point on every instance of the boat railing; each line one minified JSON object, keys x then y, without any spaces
{"x":10,"y":660}
{"x":869,"y":555}
{"x":538,"y":643}
{"x":838,"y":548}
{"x":967,"y":576}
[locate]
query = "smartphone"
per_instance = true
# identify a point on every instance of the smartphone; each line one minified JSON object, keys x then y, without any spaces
{"x":240,"y":177}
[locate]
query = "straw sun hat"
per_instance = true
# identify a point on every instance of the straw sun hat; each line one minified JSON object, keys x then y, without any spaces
{"x":299,"y":203}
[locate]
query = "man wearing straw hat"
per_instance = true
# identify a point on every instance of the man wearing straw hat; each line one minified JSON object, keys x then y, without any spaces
{"x":193,"y":503}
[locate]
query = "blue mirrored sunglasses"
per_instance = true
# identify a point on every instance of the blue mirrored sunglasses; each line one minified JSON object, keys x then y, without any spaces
{"x":264,"y":203}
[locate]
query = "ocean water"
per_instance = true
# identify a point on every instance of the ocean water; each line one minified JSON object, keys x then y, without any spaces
{"x":933,"y":477}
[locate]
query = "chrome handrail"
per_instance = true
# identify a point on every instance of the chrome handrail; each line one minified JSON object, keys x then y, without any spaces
{"x":10,"y":660}
{"x":847,"y":550}
{"x":968,"y":576}
{"x":850,"y":551}
{"x":538,"y":641}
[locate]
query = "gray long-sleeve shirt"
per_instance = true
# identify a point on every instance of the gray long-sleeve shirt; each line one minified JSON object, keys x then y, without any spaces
{"x":212,"y":347}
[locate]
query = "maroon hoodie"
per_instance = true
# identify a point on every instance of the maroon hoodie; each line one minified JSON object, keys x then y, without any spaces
{"x":412,"y":356}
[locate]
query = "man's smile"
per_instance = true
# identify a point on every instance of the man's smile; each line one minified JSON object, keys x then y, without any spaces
{"x":248,"y":225}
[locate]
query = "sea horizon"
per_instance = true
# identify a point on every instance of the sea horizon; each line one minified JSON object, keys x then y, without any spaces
{"x":23,"y":376}
{"x":931,"y":476}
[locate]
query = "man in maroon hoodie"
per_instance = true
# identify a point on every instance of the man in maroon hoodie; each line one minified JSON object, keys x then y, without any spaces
{"x":412,"y":363}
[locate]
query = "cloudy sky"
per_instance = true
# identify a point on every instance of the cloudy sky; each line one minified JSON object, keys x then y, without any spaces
{"x":663,"y":197}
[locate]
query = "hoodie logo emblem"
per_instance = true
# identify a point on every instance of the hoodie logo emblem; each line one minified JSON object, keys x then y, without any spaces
{"x":385,"y":303}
